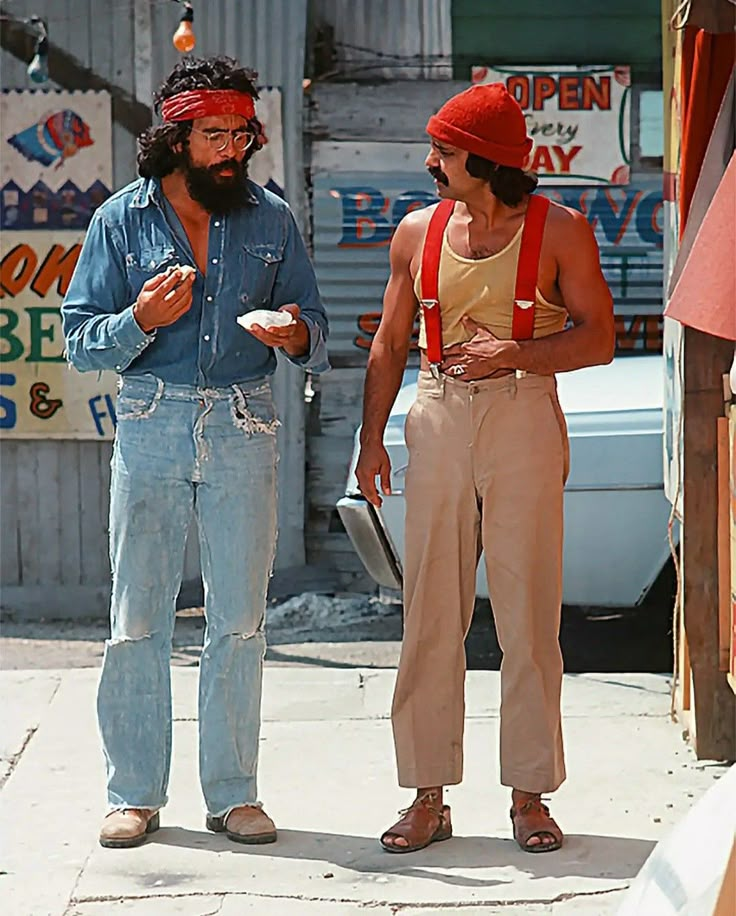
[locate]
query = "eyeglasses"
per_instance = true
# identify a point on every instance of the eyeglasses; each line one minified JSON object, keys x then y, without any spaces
{"x":217,"y":140}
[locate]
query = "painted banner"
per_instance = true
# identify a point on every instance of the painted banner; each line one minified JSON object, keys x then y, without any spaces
{"x":41,"y":397}
{"x":55,"y":158}
{"x":55,"y":170}
{"x":356,"y":213}
{"x":578,"y":118}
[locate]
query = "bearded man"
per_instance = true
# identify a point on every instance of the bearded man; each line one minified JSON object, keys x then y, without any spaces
{"x":169,"y":265}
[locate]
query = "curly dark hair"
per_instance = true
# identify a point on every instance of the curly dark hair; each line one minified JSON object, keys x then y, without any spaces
{"x":156,"y":156}
{"x":508,"y":184}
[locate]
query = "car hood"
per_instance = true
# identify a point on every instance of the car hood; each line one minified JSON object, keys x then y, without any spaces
{"x":626,"y":396}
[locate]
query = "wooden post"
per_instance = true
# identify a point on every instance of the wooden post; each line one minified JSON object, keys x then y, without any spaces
{"x":706,"y":358}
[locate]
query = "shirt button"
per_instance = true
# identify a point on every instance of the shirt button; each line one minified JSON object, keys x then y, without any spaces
{"x":214,"y":260}
{"x":217,"y":224}
{"x":209,"y":298}
{"x":206,"y":336}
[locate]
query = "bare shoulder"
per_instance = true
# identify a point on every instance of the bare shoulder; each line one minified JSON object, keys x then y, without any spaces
{"x":569,"y":226}
{"x":413,"y":226}
{"x":408,"y":240}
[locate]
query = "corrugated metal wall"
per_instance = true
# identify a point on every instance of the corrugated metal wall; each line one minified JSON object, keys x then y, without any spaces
{"x":384,"y":39}
{"x":55,"y":494}
{"x":365,"y":177}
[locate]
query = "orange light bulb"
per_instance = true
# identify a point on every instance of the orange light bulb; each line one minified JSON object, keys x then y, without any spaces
{"x":184,"y":39}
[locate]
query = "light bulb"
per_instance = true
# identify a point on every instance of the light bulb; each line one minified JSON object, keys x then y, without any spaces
{"x":184,"y":39}
{"x":38,"y":69}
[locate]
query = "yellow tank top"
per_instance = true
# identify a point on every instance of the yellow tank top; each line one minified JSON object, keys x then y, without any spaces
{"x":483,"y":288}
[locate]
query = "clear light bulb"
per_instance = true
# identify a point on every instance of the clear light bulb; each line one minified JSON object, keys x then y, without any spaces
{"x":184,"y":39}
{"x":38,"y":69}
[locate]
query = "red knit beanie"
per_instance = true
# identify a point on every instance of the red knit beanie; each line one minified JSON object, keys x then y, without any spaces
{"x":485,"y":120}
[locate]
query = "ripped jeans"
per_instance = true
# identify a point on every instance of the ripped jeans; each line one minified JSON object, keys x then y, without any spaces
{"x":181,"y":450}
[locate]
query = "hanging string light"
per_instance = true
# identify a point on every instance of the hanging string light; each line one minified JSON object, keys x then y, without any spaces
{"x":184,"y":39}
{"x":38,"y":69}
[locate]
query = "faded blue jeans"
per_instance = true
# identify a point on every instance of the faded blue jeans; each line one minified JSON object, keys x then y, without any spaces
{"x":181,"y":450}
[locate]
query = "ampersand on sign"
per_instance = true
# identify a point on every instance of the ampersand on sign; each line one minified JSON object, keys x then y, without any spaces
{"x":43,"y":406}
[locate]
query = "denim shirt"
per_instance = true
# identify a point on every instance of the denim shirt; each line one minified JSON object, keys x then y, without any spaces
{"x":256,"y":259}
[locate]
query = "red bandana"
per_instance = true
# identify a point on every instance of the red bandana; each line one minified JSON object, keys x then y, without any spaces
{"x":205,"y":103}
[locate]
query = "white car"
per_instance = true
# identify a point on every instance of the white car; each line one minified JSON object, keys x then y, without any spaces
{"x":616,"y":513}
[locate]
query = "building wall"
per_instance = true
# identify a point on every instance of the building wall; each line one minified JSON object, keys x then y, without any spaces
{"x":372,"y":40}
{"x":55,"y":494}
{"x":367,"y":172}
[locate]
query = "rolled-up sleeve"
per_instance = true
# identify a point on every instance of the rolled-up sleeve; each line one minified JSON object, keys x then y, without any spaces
{"x":100,"y":329}
{"x":296,"y":283}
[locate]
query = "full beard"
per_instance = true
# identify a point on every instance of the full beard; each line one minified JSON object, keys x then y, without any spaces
{"x":212,"y":190}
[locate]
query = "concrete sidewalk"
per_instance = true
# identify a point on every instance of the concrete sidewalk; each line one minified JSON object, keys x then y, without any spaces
{"x":328,"y":779}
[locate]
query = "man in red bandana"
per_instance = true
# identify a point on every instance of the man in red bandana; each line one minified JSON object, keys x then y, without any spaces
{"x":189,"y":281}
{"x":511,"y":292}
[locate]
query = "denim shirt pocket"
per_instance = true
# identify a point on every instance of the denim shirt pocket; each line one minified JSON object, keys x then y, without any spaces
{"x":260,"y":267}
{"x":145,"y":264}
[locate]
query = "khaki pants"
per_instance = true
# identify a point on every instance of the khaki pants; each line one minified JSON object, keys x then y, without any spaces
{"x":487,"y":465}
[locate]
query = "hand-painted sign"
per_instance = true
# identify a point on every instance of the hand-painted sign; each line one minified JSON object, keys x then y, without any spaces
{"x":356,"y":213}
{"x":578,"y":118}
{"x":40,"y":396}
{"x":55,"y":158}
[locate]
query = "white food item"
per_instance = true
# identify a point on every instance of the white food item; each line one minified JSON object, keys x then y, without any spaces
{"x":266,"y":319}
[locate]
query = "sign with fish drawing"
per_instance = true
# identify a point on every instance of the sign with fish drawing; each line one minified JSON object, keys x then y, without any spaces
{"x":41,"y":397}
{"x":578,"y":118}
{"x":55,"y":170}
{"x":55,"y":158}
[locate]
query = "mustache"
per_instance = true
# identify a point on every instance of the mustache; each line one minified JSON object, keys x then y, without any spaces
{"x":232,"y":164}
{"x":438,"y":175}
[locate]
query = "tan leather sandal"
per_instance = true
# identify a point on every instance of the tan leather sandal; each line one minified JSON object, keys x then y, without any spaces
{"x":128,"y":827}
{"x":420,"y":824}
{"x":526,"y":822}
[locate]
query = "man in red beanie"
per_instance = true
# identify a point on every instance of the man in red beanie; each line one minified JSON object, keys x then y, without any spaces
{"x":511,"y":292}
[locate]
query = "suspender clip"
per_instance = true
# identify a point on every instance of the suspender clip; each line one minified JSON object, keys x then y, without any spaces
{"x":434,"y":370}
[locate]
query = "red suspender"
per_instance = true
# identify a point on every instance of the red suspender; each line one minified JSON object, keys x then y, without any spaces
{"x":430,"y":280}
{"x":525,"y":293}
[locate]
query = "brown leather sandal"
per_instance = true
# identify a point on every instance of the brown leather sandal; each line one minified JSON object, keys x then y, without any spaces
{"x":420,"y":824}
{"x":523,"y":830}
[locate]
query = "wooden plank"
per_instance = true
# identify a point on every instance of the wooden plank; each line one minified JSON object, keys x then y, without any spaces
{"x":9,"y":553}
{"x":69,"y":504}
{"x":93,"y":521}
{"x":395,"y":111}
{"x":49,"y":501}
{"x":724,"y":547}
{"x":705,"y":359}
{"x":31,"y":568}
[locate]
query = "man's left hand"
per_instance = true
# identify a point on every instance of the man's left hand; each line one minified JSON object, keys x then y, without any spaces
{"x":478,"y":357}
{"x":294,"y":338}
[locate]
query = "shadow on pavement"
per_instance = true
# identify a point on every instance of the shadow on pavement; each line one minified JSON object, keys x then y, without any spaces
{"x":583,"y":855}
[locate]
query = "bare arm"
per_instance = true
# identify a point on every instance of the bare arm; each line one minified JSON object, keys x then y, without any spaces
{"x":591,"y":340}
{"x":387,"y":359}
